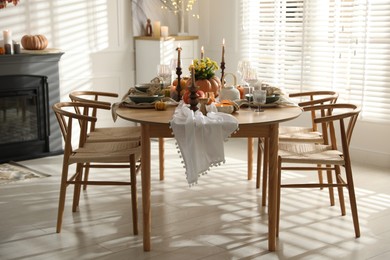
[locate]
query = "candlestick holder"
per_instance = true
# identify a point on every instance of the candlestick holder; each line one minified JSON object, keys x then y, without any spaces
{"x":222,"y":70}
{"x":193,"y":97}
{"x":178,"y":86}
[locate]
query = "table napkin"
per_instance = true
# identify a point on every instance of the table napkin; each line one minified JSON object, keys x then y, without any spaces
{"x":200,"y":138}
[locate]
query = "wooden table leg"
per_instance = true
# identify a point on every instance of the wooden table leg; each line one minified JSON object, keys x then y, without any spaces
{"x":273,"y":182}
{"x":250,"y":158}
{"x":161,"y":157}
{"x":146,"y":183}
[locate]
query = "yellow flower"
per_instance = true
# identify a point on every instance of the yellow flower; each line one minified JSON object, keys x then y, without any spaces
{"x":204,"y":68}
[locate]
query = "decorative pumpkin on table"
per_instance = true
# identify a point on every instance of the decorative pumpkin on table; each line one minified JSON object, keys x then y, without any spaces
{"x":205,"y":77}
{"x":183,"y":85}
{"x":34,"y":42}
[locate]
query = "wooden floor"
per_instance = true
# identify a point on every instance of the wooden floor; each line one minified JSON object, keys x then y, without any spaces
{"x":220,"y":218}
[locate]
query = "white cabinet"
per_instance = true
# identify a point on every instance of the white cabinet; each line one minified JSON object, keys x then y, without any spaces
{"x":151,"y":51}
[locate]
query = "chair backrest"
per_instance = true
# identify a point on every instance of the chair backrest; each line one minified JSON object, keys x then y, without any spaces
{"x":66,"y":117}
{"x":345,"y":115}
{"x":312,"y":98}
{"x":320,"y":97}
{"x":91,"y":97}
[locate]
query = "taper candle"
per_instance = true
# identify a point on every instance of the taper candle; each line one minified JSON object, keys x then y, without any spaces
{"x":178,"y":55}
{"x":201,"y":53}
{"x":192,"y":73}
{"x":223,"y":50}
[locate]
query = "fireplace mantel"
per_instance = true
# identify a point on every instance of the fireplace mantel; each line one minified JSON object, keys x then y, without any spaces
{"x":42,"y":65}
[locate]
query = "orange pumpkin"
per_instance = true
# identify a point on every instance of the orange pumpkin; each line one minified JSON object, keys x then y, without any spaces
{"x":186,"y":97}
{"x":34,"y":42}
{"x":242,"y":91}
{"x":160,"y":105}
{"x":207,"y":85}
{"x":183,"y":82}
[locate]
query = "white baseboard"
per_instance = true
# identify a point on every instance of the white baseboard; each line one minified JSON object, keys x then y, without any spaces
{"x":370,"y":157}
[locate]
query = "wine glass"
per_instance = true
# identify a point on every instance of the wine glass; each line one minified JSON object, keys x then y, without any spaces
{"x":173,"y":66}
{"x":259,"y":98}
{"x":163,"y":72}
{"x":250,"y":76}
{"x":241,"y":67}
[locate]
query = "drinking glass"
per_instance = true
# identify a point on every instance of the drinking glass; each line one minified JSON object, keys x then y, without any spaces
{"x":259,"y":98}
{"x":250,"y":76}
{"x":163,"y":72}
{"x":241,"y":67}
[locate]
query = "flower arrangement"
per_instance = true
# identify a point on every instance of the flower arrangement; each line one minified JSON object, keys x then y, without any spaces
{"x":204,"y":68}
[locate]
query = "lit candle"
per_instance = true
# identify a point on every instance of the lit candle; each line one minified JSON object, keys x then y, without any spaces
{"x":178,"y":55}
{"x":201,"y":53}
{"x":192,"y":74}
{"x":223,"y":50}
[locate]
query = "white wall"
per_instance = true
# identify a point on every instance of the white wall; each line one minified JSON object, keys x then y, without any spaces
{"x":95,"y":36}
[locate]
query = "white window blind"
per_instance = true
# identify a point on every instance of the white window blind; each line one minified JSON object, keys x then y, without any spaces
{"x":341,"y":45}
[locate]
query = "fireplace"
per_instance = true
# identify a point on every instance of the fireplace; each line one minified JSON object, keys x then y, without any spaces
{"x":29,"y":86}
{"x":24,"y":116}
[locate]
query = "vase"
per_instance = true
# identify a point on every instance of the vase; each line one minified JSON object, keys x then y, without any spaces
{"x":229,"y":92}
{"x":182,"y":17}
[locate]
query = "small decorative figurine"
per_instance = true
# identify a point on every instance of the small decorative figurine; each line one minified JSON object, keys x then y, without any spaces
{"x":149,"y":30}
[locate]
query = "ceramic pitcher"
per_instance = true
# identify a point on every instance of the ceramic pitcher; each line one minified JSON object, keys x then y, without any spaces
{"x":229,"y":92}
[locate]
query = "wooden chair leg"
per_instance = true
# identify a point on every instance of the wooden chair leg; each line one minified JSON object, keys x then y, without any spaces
{"x":134,"y":205}
{"x":259,"y":162}
{"x":86,"y":175}
{"x":265,"y":173}
{"x":340,"y":190}
{"x":320,"y":177}
{"x":62,"y":197}
{"x":250,"y":158}
{"x":330,"y":181}
{"x":161,"y":157}
{"x":77,"y":187}
{"x":352,"y":198}
{"x":278,"y":194}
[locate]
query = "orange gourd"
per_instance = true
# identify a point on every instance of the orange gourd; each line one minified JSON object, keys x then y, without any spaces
{"x":160,"y":105}
{"x":34,"y":42}
{"x":242,"y":91}
{"x":207,"y":85}
{"x":186,"y":97}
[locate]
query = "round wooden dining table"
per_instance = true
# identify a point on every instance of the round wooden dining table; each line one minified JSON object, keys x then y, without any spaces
{"x":155,"y":124}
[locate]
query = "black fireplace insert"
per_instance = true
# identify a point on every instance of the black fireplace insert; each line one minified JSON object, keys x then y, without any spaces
{"x":24,"y":117}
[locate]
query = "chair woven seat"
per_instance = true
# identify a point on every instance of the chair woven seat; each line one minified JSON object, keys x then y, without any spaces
{"x":309,"y":153}
{"x":301,"y":136}
{"x":109,"y":134}
{"x":106,"y":152}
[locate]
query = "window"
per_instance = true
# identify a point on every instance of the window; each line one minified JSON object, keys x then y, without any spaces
{"x":341,"y":45}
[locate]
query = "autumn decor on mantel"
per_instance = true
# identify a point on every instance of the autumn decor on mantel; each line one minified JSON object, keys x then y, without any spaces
{"x":34,"y":42}
{"x":205,"y":78}
{"x":3,"y":3}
